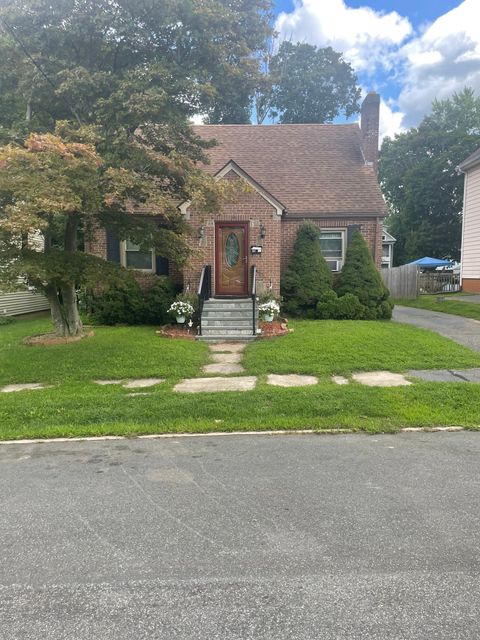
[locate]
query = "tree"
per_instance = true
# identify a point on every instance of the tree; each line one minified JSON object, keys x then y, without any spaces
{"x":360,"y":278}
{"x":307,"y":277}
{"x":122,"y":78}
{"x":308,"y":85}
{"x":420,"y":181}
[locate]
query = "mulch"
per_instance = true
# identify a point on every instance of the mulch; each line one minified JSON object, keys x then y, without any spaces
{"x":50,"y":339}
{"x":177,"y":331}
{"x":269,"y":330}
{"x":275,"y":328}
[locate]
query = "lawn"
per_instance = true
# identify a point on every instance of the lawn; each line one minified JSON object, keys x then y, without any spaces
{"x":455,"y":306}
{"x":76,"y":407}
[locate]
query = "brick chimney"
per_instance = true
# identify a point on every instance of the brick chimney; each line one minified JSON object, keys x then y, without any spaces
{"x":369,"y":122}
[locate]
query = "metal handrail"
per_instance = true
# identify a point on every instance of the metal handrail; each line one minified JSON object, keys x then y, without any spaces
{"x":254,"y":298}
{"x":204,"y":292}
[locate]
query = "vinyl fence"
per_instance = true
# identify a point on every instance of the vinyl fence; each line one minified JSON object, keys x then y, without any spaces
{"x":403,"y":281}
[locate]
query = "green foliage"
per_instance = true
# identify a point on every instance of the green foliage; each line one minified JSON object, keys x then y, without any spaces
{"x":4,"y":320}
{"x":360,"y":278}
{"x":347,"y":307}
{"x":307,"y":277}
{"x":311,"y":84}
{"x":129,"y":304}
{"x":420,"y":182}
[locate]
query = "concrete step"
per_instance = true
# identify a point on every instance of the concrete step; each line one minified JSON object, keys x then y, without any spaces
{"x":208,"y":331}
{"x":222,"y":338}
{"x":222,"y":308}
{"x":227,"y":324}
{"x":239,"y":314}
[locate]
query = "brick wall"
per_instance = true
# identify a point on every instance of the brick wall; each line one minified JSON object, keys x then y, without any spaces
{"x":249,"y":207}
{"x":371,"y":229}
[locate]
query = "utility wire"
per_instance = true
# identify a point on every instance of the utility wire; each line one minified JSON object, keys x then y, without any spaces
{"x":11,"y":31}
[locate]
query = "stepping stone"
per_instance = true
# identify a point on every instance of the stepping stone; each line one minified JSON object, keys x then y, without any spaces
{"x":231,"y":347}
{"x":209,"y":385}
{"x":141,"y":383}
{"x":139,"y":393}
{"x":381,"y":379}
{"x":223,"y":368}
{"x":339,"y":380}
{"x":292,"y":380}
{"x":227,"y":358}
{"x":29,"y":386}
{"x":105,"y":382}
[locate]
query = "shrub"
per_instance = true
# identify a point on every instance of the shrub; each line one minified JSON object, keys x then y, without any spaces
{"x":307,"y":277}
{"x":4,"y":320}
{"x":347,"y":307}
{"x":158,"y":299}
{"x":361,"y":278}
{"x":126,"y":303}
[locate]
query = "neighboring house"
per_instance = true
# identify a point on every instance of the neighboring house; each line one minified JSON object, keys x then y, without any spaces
{"x":326,"y":174}
{"x":470,"y":261}
{"x":25,"y":300}
{"x":387,"y":249}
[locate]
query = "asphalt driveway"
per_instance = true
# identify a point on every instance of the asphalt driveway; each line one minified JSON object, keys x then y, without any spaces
{"x":463,"y":330}
{"x":242,"y":537}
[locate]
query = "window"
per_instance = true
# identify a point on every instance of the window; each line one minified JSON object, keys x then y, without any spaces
{"x":331,"y":245}
{"x":133,"y":258}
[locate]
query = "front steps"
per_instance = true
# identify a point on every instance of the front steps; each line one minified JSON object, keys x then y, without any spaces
{"x":227,"y":319}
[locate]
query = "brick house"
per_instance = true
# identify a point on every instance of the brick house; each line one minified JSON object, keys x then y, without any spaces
{"x":326,"y":174}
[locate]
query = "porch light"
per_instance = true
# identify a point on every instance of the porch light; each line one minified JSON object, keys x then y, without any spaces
{"x":201,"y":232}
{"x":263,"y":232}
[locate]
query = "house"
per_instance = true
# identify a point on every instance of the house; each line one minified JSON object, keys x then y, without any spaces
{"x":470,"y":261}
{"x":324,"y":173}
{"x":387,"y":249}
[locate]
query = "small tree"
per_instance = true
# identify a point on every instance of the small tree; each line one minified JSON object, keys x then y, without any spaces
{"x":361,"y":278}
{"x":308,"y":277}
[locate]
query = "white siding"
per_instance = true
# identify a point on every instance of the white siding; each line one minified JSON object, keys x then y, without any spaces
{"x":14,"y":304}
{"x":471,"y":225}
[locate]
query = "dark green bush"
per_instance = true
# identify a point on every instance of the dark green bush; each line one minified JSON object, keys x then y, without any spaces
{"x":4,"y":320}
{"x":361,"y":278}
{"x":307,"y":277}
{"x":126,"y":303}
{"x":347,"y":307}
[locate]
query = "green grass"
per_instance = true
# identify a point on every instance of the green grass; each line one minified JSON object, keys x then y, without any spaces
{"x":454,"y":306}
{"x":331,"y":347}
{"x":76,"y":407}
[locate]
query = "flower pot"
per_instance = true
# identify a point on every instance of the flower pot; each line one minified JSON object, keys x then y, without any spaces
{"x":268,"y":317}
{"x":180,"y":319}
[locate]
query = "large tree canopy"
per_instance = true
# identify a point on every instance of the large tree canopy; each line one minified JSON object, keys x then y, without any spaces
{"x":122,"y":79}
{"x":306,"y":84}
{"x":420,"y":181}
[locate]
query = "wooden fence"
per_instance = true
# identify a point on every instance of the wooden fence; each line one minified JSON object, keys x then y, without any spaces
{"x":403,"y":281}
{"x":438,"y":282}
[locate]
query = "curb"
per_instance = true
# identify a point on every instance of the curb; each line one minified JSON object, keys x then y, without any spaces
{"x":210,"y":434}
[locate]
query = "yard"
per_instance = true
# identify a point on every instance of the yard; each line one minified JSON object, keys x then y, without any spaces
{"x":75,"y":406}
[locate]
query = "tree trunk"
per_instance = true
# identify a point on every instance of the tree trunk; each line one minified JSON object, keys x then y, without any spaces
{"x":63,"y":298}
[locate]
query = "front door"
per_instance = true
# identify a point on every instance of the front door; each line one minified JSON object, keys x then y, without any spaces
{"x":231,"y":257}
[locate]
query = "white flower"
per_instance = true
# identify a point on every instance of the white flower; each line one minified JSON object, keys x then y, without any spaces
{"x":180,"y":308}
{"x":270,"y":308}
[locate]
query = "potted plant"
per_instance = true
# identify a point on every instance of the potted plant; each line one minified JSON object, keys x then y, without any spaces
{"x":269,"y":309}
{"x":181,"y":311}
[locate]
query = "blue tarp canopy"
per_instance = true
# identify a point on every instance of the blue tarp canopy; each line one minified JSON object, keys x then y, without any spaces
{"x":431,"y":262}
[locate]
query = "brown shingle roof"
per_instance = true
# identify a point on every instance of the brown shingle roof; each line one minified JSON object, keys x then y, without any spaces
{"x":310,"y":168}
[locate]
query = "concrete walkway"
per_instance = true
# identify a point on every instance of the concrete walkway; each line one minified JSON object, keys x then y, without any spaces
{"x":465,"y":331}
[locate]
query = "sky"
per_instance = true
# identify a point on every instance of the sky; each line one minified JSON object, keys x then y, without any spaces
{"x":410,"y":51}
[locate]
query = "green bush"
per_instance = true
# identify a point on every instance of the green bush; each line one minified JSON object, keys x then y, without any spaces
{"x":347,"y":307}
{"x":126,"y":303}
{"x":360,"y":278}
{"x":4,"y":320}
{"x":307,"y":277}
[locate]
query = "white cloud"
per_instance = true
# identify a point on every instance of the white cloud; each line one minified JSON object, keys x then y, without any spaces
{"x":443,"y":59}
{"x":390,"y":121}
{"x":366,"y":37}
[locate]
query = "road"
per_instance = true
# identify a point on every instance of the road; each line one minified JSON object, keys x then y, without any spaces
{"x":243,"y":537}
{"x":465,"y":331}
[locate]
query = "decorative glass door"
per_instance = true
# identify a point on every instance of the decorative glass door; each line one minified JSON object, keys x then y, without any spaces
{"x":231,"y":257}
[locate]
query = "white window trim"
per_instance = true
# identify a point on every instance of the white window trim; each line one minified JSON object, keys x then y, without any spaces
{"x":123,"y":259}
{"x":343,"y":231}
